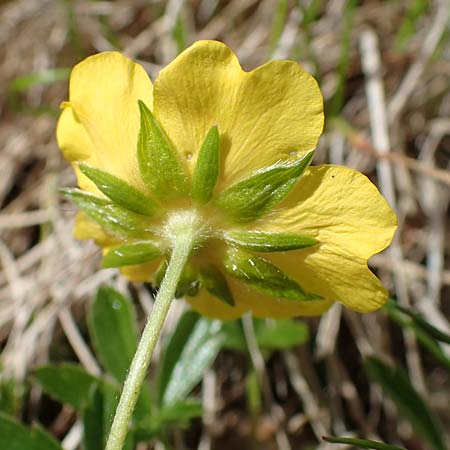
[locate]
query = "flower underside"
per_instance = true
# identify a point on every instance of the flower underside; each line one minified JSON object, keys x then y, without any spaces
{"x":145,"y":225}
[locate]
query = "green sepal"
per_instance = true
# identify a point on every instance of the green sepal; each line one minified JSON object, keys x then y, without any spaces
{"x":159,"y":164}
{"x":207,"y":167}
{"x":214,"y":282}
{"x":188,"y":284}
{"x":260,"y":241}
{"x":253,"y":197}
{"x":109,"y":216}
{"x":120,"y":192}
{"x":264,"y":276}
{"x":130,"y":254}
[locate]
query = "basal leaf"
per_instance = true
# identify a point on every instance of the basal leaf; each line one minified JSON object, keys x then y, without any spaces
{"x":280,"y":334}
{"x":120,"y":192}
{"x":112,"y":326}
{"x":197,"y":355}
{"x":109,"y":216}
{"x":251,"y":198}
{"x":362,"y":443}
{"x":159,"y":163}
{"x":207,"y":167}
{"x":260,"y":241}
{"x":215,"y":282}
{"x":129,"y":254}
{"x":264,"y":276}
{"x":173,"y":349}
{"x":15,"y":436}
{"x":410,"y":404}
{"x":68,"y":383}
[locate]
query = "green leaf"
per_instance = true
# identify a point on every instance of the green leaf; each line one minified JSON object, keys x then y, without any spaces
{"x":67,"y":383}
{"x":159,"y":163}
{"x":251,"y":198}
{"x":260,"y":241}
{"x":120,"y":192}
{"x":207,"y":167}
{"x":215,"y":282}
{"x":234,"y":336}
{"x":15,"y":436}
{"x":180,"y":412}
{"x":419,"y":321}
{"x":113,"y":330}
{"x":173,"y":349}
{"x":98,"y":416}
{"x":112,"y":326}
{"x":199,"y":352}
{"x":280,"y":334}
{"x":129,"y":254}
{"x":264,"y":276}
{"x":108,"y":215}
{"x":362,"y":443}
{"x":423,"y":330}
{"x":409,"y":403}
{"x":49,"y":76}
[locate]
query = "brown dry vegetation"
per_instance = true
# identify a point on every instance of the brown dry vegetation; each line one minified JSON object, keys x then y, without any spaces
{"x":387,"y":95}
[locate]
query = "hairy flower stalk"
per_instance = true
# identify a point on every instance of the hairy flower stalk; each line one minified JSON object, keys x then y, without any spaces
{"x":202,"y":185}
{"x":183,"y":232}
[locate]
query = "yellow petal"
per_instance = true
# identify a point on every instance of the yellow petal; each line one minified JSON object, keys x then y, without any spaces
{"x":104,"y":90}
{"x":352,"y":221}
{"x":269,"y":114}
{"x":86,"y":229}
{"x":248,"y":299}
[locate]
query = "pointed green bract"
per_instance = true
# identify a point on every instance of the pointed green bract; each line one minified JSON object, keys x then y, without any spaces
{"x":130,"y":254}
{"x":207,"y":167}
{"x":255,"y":196}
{"x":260,"y":241}
{"x":158,"y":161}
{"x":215,"y":283}
{"x":120,"y":192}
{"x":264,"y":276}
{"x":109,"y":216}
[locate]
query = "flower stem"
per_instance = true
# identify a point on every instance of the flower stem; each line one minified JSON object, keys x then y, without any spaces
{"x":180,"y":252}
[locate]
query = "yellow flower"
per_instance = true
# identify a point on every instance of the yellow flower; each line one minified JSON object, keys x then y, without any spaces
{"x":230,"y":150}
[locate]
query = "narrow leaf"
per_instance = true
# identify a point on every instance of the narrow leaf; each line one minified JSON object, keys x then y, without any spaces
{"x":198,"y":354}
{"x":111,"y":217}
{"x":264,"y":276}
{"x":215,"y":282}
{"x":173,"y":349}
{"x":409,"y":403}
{"x":253,"y":197}
{"x":129,"y":254}
{"x":260,"y":241}
{"x":120,"y":192}
{"x":93,"y":422}
{"x":159,"y":163}
{"x":67,"y":383}
{"x":15,"y":436}
{"x":181,"y":412}
{"x":207,"y":167}
{"x":112,"y":326}
{"x":362,"y":443}
{"x":280,"y":334}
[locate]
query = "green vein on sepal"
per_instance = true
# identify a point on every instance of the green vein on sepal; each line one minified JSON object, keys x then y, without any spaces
{"x":207,"y":167}
{"x":255,"y":196}
{"x":120,"y":192}
{"x":130,"y":254}
{"x":264,"y":276}
{"x":214,"y":281}
{"x":159,"y":163}
{"x":188,"y":284}
{"x":260,"y":241}
{"x":108,"y":215}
